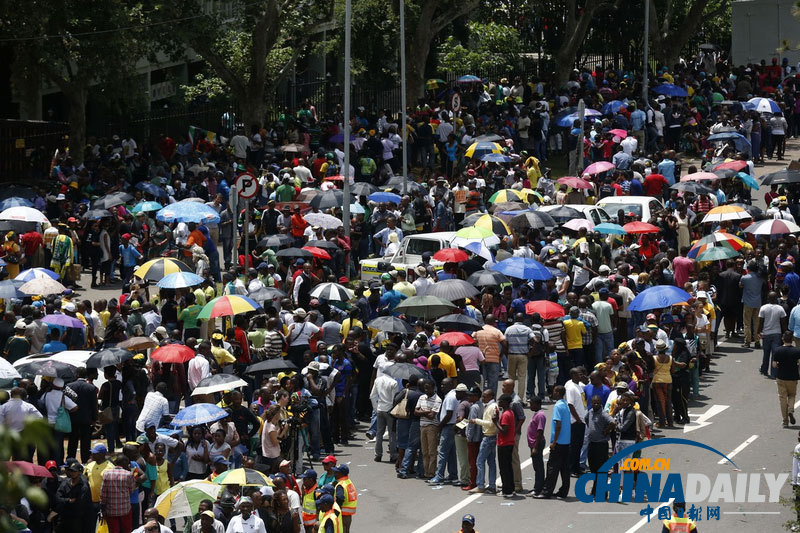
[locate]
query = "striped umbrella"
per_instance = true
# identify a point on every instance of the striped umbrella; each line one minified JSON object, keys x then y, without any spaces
{"x":722,"y":236}
{"x":243,"y":476}
{"x":156,"y":269}
{"x":726,"y":212}
{"x":233,"y":304}
{"x":701,"y":248}
{"x":36,"y":273}
{"x":180,"y":280}
{"x":198,"y":414}
{"x":15,"y":201}
{"x":772,"y":227}
{"x":476,"y":150}
{"x":333,"y":292}
{"x":473,"y":234}
{"x":716,"y":253}
{"x":184,"y":498}
{"x":506,"y":195}
{"x":481,"y":220}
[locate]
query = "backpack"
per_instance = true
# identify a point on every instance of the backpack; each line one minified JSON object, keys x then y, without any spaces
{"x":536,"y":345}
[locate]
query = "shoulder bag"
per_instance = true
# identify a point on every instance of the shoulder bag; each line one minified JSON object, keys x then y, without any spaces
{"x":63,"y":421}
{"x":399,"y":410}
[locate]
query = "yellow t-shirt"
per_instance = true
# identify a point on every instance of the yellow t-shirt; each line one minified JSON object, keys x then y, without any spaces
{"x":222,"y":355}
{"x":349,"y":323}
{"x":94,"y":473}
{"x":446,"y":363}
{"x":575,"y":329}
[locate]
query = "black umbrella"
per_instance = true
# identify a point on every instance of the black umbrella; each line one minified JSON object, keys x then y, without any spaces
{"x":390,"y":324}
{"x":725,"y":173}
{"x":270,"y":365}
{"x":404,"y":371}
{"x":111,"y":200}
{"x":563,"y":214}
{"x":487,"y":278}
{"x":692,"y":187}
{"x":46,"y":367}
{"x":325,"y":245}
{"x":397,"y":183}
{"x":459,"y":322}
{"x":534,"y":219}
{"x":17,"y":190}
{"x":17,"y":226}
{"x":293,"y":252}
{"x":275,"y":241}
{"x":488,"y":137}
{"x":94,"y":214}
{"x":108,"y":357}
{"x":328,"y":199}
{"x":452,"y":290}
{"x":362,"y":189}
{"x":781,"y":176}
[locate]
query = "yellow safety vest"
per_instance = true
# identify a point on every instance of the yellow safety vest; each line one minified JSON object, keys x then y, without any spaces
{"x":332,"y":517}
{"x":309,"y":511}
{"x":350,"y":496}
{"x":679,"y":525}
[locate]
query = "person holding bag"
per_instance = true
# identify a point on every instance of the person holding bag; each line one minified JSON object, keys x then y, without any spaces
{"x":58,"y":405}
{"x":110,"y":407}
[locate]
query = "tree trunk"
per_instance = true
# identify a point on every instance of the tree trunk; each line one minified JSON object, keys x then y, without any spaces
{"x":668,"y":44}
{"x":565,"y":58}
{"x":253,"y":108}
{"x":77,"y":122}
{"x":416,"y":56}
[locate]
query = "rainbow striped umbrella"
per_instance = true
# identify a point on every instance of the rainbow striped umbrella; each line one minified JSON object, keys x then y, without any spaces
{"x":156,"y":269}
{"x":232,"y":304}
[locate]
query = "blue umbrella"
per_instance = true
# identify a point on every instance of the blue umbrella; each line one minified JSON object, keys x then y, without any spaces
{"x":198,"y":414}
{"x":763,"y":105}
{"x":15,"y":201}
{"x":522,"y":268}
{"x":612,"y":107}
{"x":8,"y":290}
{"x":186,"y":211}
{"x":658,"y":297}
{"x":180,"y":280}
{"x":385,"y":197}
{"x":669,"y":89}
{"x":469,"y":78}
{"x":146,"y":206}
{"x":610,"y":228}
{"x":357,"y":208}
{"x":739,"y":140}
{"x":567,"y":120}
{"x":339,"y":138}
{"x":495,"y":158}
{"x":34,"y":273}
{"x":152,"y":189}
{"x":748,"y":180}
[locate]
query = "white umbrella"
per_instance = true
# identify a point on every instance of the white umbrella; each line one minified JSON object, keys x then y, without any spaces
{"x":333,"y":292}
{"x":23,"y":214}
{"x":218,"y":383}
{"x":42,"y":286}
{"x":7,"y":370}
{"x":323,"y":221}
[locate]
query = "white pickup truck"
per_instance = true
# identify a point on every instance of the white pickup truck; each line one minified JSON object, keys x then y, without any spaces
{"x":409,"y":255}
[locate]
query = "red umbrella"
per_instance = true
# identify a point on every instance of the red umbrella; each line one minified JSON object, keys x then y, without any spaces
{"x":450,"y":255}
{"x":547,"y":310}
{"x":28,"y":469}
{"x":733,"y":165}
{"x":575,"y":183}
{"x":319,"y":253}
{"x":455,"y":338}
{"x":619,"y":133}
{"x":334,"y":178}
{"x":173,"y":353}
{"x":640,"y":227}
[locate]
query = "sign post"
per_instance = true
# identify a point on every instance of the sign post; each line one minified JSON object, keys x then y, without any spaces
{"x":247,"y":187}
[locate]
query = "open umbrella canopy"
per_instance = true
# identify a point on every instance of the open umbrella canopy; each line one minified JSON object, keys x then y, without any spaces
{"x":481,"y":220}
{"x":718,"y":237}
{"x":764,"y":105}
{"x":659,"y":297}
{"x":144,"y":207}
{"x":458,"y":322}
{"x":385,"y":197}
{"x":271,"y":365}
{"x":772,"y":227}
{"x":522,"y":268}
{"x":452,"y":290}
{"x":577,"y":223}
{"x":781,"y":176}
{"x":469,"y":78}
{"x":96,"y":214}
{"x":363,"y":189}
{"x":317,"y":253}
{"x":232,"y":304}
{"x":701,"y":248}
{"x":36,"y":273}
{"x":47,"y":367}
{"x":575,"y":183}
{"x":42,"y":286}
{"x":183,"y":499}
{"x":243,"y":476}
{"x":547,"y":310}
{"x":478,"y":149}
{"x":736,"y":165}
{"x":609,"y":108}
{"x":597,"y":168}
{"x":157,"y":269}
{"x":198,"y":414}
{"x":716,"y":252}
{"x":172,"y":353}
{"x":425,"y":307}
{"x":506,"y":195}
{"x":670,"y":89}
{"x":692,"y":187}
{"x":112,"y":200}
{"x":740,"y":141}
{"x":180,"y":280}
{"x":566,"y":121}
{"x":455,"y":338}
{"x":640,"y":227}
{"x":323,"y":220}
{"x":333,"y":292}
{"x":218,"y":383}
{"x":726,"y":212}
{"x":465,"y":236}
{"x":65,"y":321}
{"x":699,"y":176}
{"x":495,"y":158}
{"x":14,"y":201}
{"x":27,"y":468}
{"x":609,"y":228}
{"x":152,"y":189}
{"x":293,"y":252}
{"x":293,"y":147}
{"x":7,"y":370}
{"x":108,"y":357}
{"x":563,"y":214}
{"x":404,"y":371}
{"x":185,"y":211}
{"x":533,"y":219}
{"x":450,"y":255}
{"x":23,"y":214}
{"x":487,"y":278}
{"x":748,"y":180}
{"x":618,"y":133}
{"x":390,"y":324}
{"x":137,"y":343}
{"x":328,"y":199}
{"x":275,"y":241}
{"x":755,"y":211}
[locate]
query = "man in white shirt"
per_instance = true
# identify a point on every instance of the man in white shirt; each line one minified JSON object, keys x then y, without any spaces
{"x":577,"y":407}
{"x":207,"y":522}
{"x":382,"y":397}
{"x":16,"y":411}
{"x":629,"y":144}
{"x":423,"y":282}
{"x":154,"y":408}
{"x":240,"y":143}
{"x":199,"y":369}
{"x":247,"y":521}
{"x":303,"y":172}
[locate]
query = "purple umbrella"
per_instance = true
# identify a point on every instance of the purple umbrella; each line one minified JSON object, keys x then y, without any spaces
{"x":62,"y":320}
{"x":339,"y":138}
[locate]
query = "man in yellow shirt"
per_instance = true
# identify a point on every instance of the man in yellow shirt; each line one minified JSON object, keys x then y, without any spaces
{"x":95,"y":468}
{"x":575,"y":329}
{"x":446,"y":361}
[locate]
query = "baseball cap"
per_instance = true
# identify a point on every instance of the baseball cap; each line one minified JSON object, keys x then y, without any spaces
{"x":126,"y":236}
{"x":50,"y":464}
{"x":604,"y":269}
{"x":286,"y":463}
{"x":329,"y":459}
{"x":70,"y":307}
{"x":341,"y":469}
{"x":310,"y":473}
{"x":325,"y":498}
{"x":20,"y":324}
{"x":99,"y":448}
{"x":621,"y":385}
{"x":468,"y":518}
{"x":603,"y":292}
{"x":267,"y":492}
{"x":220,"y":460}
{"x":141,"y":439}
{"x":75,"y":466}
{"x":667,"y":318}
{"x":209,"y":514}
{"x":461,"y":388}
{"x":651,"y":316}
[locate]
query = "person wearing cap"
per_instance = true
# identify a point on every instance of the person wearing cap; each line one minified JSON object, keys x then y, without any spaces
{"x":346,"y":495}
{"x":467,"y":524}
{"x":73,"y":502}
{"x":94,"y":470}
{"x":17,"y":346}
{"x":329,"y":521}
{"x":52,"y":400}
{"x":328,"y":476}
{"x":246,"y":521}
{"x":308,"y":490}
{"x":207,"y":523}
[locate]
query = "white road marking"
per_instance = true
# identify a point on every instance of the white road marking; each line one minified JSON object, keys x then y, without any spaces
{"x":702,"y":419}
{"x":607,"y":512}
{"x":739,"y":448}
{"x":648,"y":518}
{"x":466,"y":501}
{"x":751,"y":512}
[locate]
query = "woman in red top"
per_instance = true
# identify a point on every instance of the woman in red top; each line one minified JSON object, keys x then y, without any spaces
{"x":505,"y":444}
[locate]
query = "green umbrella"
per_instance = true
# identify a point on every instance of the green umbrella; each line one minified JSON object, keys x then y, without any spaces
{"x":184,"y":498}
{"x":716,"y":253}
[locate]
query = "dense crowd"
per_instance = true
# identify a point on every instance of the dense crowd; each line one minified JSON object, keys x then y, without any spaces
{"x":440,"y":362}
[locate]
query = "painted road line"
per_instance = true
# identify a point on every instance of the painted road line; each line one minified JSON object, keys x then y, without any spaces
{"x":466,"y":501}
{"x":647,"y":519}
{"x":607,"y":512}
{"x":751,"y":512}
{"x":702,"y":419}
{"x":739,"y":448}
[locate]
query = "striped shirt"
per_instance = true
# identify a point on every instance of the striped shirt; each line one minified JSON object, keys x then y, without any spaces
{"x":554,"y":329}
{"x":518,"y":336}
{"x":590,"y":320}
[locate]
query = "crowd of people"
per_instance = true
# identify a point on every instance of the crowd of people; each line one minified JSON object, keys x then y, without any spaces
{"x":451,"y":394}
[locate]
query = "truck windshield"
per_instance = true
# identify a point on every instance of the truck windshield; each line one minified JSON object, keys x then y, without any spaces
{"x":420,"y":246}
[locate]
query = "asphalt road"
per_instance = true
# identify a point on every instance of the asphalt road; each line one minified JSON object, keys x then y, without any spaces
{"x":738,"y":415}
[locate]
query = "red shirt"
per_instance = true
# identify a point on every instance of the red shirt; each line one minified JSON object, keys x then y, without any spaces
{"x":507,"y":420}
{"x":241,"y":338}
{"x":298,"y":224}
{"x":653,"y":184}
{"x":31,"y":242}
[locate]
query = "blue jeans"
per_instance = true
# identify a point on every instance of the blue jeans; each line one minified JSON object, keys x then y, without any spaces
{"x":537,"y":371}
{"x":603,"y":346}
{"x":491,"y":375}
{"x":413,"y":450}
{"x":403,"y":425}
{"x":769,"y":342}
{"x":447,"y":453}
{"x":487,"y":453}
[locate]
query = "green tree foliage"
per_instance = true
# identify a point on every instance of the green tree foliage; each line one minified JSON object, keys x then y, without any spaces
{"x":490,"y":45}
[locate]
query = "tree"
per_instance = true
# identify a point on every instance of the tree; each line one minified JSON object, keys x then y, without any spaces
{"x":74,"y":44}
{"x":675,"y":22}
{"x":489,"y":46}
{"x":249,"y":46}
